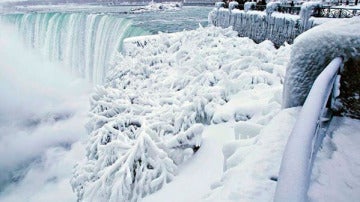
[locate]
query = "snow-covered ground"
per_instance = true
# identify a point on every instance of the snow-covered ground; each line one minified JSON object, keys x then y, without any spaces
{"x":204,"y":168}
{"x":335,"y":176}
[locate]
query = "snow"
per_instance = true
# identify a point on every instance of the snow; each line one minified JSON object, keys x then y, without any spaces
{"x":200,"y":171}
{"x":252,"y":162}
{"x":170,"y":105}
{"x":335,"y":176}
{"x":295,"y":166}
{"x":321,"y":44}
{"x":162,"y":100}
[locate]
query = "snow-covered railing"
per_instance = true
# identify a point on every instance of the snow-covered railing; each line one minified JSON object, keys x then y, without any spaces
{"x":304,"y":141}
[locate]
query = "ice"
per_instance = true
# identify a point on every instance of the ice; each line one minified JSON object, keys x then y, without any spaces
{"x":259,"y":26}
{"x":307,"y":9}
{"x":249,"y":5}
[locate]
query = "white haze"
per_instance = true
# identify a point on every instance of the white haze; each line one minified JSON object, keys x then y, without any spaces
{"x":42,"y":114}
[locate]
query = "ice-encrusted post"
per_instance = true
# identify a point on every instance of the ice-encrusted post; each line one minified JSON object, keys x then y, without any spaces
{"x":213,"y":15}
{"x":219,"y":5}
{"x":296,"y":165}
{"x":233,"y":5}
{"x":249,"y":6}
{"x":271,"y":7}
{"x":306,"y":11}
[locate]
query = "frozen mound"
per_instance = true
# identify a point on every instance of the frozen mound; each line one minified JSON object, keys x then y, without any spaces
{"x":148,"y":117}
{"x":313,"y":51}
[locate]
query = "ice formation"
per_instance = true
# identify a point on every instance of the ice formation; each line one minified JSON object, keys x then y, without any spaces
{"x":249,"y":5}
{"x":259,"y":26}
{"x":311,"y":53}
{"x":161,"y":101}
{"x":271,"y":7}
{"x":233,"y":5}
{"x":307,"y":9}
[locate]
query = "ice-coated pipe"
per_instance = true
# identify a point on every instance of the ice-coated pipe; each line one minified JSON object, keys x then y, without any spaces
{"x":296,"y":166}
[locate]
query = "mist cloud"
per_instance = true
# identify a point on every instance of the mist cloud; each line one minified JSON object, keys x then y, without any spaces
{"x":43,"y":111}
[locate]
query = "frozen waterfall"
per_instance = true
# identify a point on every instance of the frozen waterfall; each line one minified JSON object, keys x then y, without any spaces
{"x":83,"y":42}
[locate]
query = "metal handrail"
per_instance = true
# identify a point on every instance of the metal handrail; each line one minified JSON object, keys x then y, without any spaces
{"x":304,"y":141}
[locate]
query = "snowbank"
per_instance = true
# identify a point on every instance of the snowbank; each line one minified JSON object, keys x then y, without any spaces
{"x":311,"y":53}
{"x":149,"y":116}
{"x":252,"y":164}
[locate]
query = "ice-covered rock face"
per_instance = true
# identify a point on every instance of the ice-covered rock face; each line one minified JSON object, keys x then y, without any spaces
{"x":313,"y":51}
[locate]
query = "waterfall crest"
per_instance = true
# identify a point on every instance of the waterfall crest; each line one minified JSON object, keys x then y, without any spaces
{"x":83,"y":42}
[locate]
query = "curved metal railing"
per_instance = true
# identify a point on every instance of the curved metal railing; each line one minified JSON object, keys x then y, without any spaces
{"x":306,"y":137}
